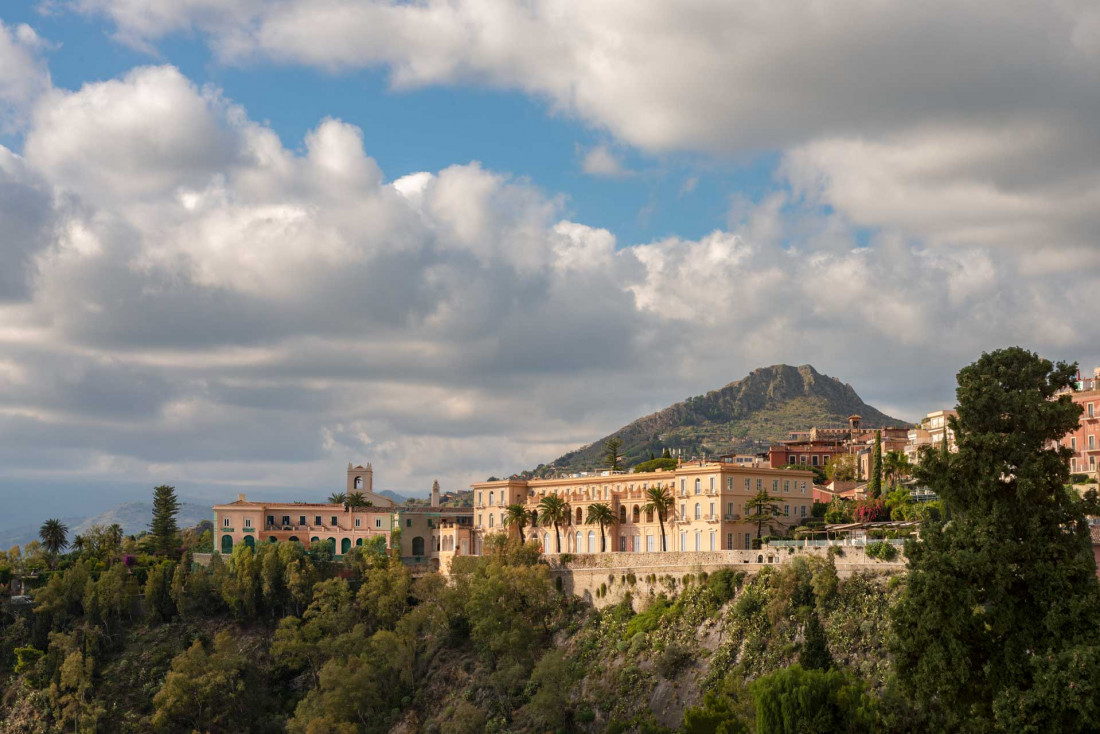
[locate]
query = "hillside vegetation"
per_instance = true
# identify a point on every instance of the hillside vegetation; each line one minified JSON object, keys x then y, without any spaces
{"x":746,"y":415}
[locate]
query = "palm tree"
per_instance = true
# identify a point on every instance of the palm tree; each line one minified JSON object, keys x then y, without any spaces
{"x":356,"y":499}
{"x":517,"y":515}
{"x":337,"y":498}
{"x":602,"y":515}
{"x":55,"y":535}
{"x":766,"y":509}
{"x":896,"y":465}
{"x":78,"y":543}
{"x":659,"y":500}
{"x":553,"y":510}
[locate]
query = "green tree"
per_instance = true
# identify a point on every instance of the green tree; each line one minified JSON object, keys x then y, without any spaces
{"x":843,"y":468}
{"x":163,"y":527}
{"x":159,"y":606}
{"x":600,"y":513}
{"x":554,"y":511}
{"x":337,"y":498}
{"x":794,"y":700}
{"x":517,"y":515}
{"x":659,"y":500}
{"x":763,"y":509}
{"x":895,"y":466}
{"x":611,"y":452}
{"x":54,"y":535}
{"x":1009,"y":584}
{"x":356,"y":499}
{"x":875,"y":488}
{"x":814,"y":654}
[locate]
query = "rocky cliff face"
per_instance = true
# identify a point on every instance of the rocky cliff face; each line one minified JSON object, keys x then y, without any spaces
{"x":742,"y":416}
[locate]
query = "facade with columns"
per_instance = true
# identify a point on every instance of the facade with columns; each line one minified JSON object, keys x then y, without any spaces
{"x":709,"y":512}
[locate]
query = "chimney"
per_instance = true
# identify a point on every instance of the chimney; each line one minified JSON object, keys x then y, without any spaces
{"x":240,"y":497}
{"x":435,"y":493}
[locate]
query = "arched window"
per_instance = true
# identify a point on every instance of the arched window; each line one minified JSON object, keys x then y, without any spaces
{"x":577,"y":545}
{"x":649,"y":515}
{"x":697,"y":484}
{"x":312,"y":540}
{"x":249,"y":541}
{"x":490,"y":499}
{"x":359,"y":542}
{"x":292,"y":538}
{"x":534,"y":517}
{"x":359,"y":482}
{"x":490,"y":519}
{"x":591,"y":541}
{"x":698,"y":511}
{"x":345,"y":546}
{"x":636,"y":514}
{"x":418,"y":546}
{"x":580,"y":516}
{"x":227,"y":544}
{"x":622,"y":513}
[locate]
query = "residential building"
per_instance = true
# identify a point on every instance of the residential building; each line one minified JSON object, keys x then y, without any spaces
{"x":1085,"y":440}
{"x":709,"y":512}
{"x":931,"y":432}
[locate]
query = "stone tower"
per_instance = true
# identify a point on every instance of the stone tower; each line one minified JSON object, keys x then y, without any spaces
{"x":435,"y":493}
{"x":360,"y":478}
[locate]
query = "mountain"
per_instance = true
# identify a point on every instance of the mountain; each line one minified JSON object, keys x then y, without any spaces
{"x":746,"y":415}
{"x":132,"y":516}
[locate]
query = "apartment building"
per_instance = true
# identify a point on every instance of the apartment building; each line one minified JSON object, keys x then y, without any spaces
{"x":930,"y":433}
{"x":709,"y":511}
{"x":1085,"y":440}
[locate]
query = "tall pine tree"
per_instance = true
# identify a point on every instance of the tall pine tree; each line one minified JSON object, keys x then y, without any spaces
{"x":1001,"y":600}
{"x":163,"y":528}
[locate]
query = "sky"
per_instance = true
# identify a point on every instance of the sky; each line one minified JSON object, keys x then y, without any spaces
{"x":243,"y":242}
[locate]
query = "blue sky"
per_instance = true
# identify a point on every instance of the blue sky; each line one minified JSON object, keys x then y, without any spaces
{"x":429,"y":128}
{"x":666,"y":197}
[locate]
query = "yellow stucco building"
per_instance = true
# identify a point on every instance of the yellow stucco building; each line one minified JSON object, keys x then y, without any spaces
{"x":709,"y":511}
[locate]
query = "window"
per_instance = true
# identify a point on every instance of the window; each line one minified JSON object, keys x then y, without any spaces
{"x":683,"y":486}
{"x":748,"y":484}
{"x":1092,"y":442}
{"x":813,"y":460}
{"x":490,"y":499}
{"x":729,"y":484}
{"x":270,"y":519}
{"x":802,"y":487}
{"x":225,"y":523}
{"x":802,"y":459}
{"x":759,"y":484}
{"x":698,"y":484}
{"x":357,"y":523}
{"x":729,"y":509}
{"x":334,"y":521}
{"x":359,"y":482}
{"x":622,"y":544}
{"x":408,"y":523}
{"x":712,"y":484}
{"x":622,"y":513}
{"x":490,"y":519}
{"x":301,"y":519}
{"x":479,"y":519}
{"x":698,"y":540}
{"x":683,"y":510}
{"x":316,"y":519}
{"x":286,"y":520}
{"x":247,"y":523}
{"x":683,"y":541}
{"x":480,"y":498}
{"x":729,"y":541}
{"x":712,"y":534}
{"x":698,"y":511}
{"x":824,"y":459}
{"x":1090,"y":410}
{"x":786,"y":485}
{"x":1092,"y":463}
{"x":712,"y":509}
{"x":775,"y":485}
{"x":748,"y":541}
{"x":786,"y":510}
{"x":378,"y":521}
{"x":803,"y":510}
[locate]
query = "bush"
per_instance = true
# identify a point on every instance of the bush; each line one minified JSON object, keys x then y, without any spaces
{"x":654,"y":464}
{"x":648,"y":620}
{"x":724,"y":583}
{"x":672,"y":660}
{"x":883,"y":551}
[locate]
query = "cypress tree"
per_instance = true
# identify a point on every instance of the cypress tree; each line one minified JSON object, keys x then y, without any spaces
{"x":876,"y":468}
{"x":1002,"y":599}
{"x":163,"y":528}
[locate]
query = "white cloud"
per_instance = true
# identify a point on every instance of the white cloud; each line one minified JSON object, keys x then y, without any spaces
{"x":600,"y":161}
{"x":194,"y":294}
{"x":23,"y":74}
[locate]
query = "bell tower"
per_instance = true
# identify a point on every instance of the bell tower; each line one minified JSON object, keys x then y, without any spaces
{"x":360,"y":478}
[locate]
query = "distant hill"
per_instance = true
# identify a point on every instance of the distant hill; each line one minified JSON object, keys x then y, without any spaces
{"x":132,"y":516}
{"x":746,"y":415}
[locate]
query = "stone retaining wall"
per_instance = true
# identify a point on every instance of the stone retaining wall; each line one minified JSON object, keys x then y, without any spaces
{"x":604,"y":579}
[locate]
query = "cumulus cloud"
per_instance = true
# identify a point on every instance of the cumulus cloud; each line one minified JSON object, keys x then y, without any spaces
{"x":195,"y":298}
{"x":23,"y":73}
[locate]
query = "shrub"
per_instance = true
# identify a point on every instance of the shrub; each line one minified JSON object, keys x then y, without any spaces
{"x":631,"y":579}
{"x":648,"y":620}
{"x":883,"y":551}
{"x":724,"y":583}
{"x":653,"y":464}
{"x":672,"y":660}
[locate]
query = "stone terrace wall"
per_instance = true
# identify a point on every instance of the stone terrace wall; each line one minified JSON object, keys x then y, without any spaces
{"x":653,"y":573}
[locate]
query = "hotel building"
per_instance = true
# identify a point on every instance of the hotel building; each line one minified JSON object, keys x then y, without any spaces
{"x":428,"y":534}
{"x":709,"y":511}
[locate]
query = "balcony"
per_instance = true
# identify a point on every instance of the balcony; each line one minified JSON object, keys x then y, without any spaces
{"x":731,"y":518}
{"x":710,"y":518}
